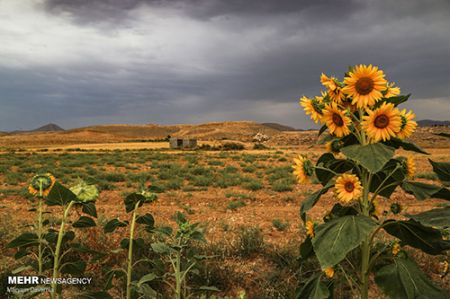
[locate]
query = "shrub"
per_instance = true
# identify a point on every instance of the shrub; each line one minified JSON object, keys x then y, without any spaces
{"x":253,"y":185}
{"x":279,"y":225}
{"x":215,"y":163}
{"x":249,"y":168}
{"x":282,"y":185}
{"x":202,"y":181}
{"x":250,"y":241}
{"x":259,"y":146}
{"x":232,"y":146}
{"x":236,"y":204}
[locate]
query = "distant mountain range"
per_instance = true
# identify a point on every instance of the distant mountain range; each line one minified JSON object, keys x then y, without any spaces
{"x":45,"y":128}
{"x":431,"y":123}
{"x":51,"y":127}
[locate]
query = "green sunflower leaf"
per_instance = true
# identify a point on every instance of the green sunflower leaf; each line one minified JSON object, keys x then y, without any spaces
{"x":404,"y":280}
{"x":336,"y":238}
{"x":314,"y":288}
{"x":437,"y":217}
{"x":60,"y":196}
{"x":132,"y":199}
{"x":389,"y":178}
{"x":328,"y":166}
{"x":373,"y":157}
{"x":83,"y":222}
{"x":311,"y":201}
{"x":112,"y":225}
{"x":394,"y":100}
{"x":442,"y":169}
{"x":407,"y":146}
{"x":24,"y":240}
{"x":306,"y":249}
{"x":424,"y":191}
{"x":418,"y":236}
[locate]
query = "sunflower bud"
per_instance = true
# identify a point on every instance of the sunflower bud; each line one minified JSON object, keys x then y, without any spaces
{"x":329,"y":272}
{"x":334,"y":146}
{"x":444,"y":269}
{"x":309,"y":225}
{"x":396,"y":208}
{"x":396,"y":249}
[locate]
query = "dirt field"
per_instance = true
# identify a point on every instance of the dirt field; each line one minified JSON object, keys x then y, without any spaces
{"x":225,"y":191}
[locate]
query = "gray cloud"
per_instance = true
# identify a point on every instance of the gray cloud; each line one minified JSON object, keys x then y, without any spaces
{"x":86,"y":62}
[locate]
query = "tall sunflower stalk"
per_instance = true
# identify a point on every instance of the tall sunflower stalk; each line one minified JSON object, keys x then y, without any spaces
{"x":40,"y":187}
{"x":364,"y":127}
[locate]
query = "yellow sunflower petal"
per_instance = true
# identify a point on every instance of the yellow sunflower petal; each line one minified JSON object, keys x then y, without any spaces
{"x":336,"y":120}
{"x":365,"y":85}
{"x":348,"y":188}
{"x":382,"y":123}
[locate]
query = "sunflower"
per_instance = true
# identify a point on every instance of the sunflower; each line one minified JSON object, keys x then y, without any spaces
{"x":41,"y":184}
{"x":334,"y":88}
{"x":382,"y":123}
{"x":348,"y":188}
{"x":85,"y":192}
{"x":410,"y":167}
{"x":396,"y":249}
{"x":313,"y":107}
{"x":365,"y":85}
{"x":408,"y":125}
{"x":391,"y":91}
{"x":309,"y":225}
{"x":336,"y":121}
{"x":303,"y":169}
{"x":329,"y":272}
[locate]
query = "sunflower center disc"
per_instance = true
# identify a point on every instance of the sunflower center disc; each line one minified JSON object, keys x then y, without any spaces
{"x":364,"y":85}
{"x":337,"y":120}
{"x":349,"y":186}
{"x":381,"y":121}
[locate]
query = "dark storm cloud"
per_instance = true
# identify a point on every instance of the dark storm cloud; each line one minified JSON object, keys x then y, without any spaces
{"x":209,"y":60}
{"x":202,"y":8}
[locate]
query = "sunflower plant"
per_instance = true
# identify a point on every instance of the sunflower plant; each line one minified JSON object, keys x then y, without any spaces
{"x":53,"y":245}
{"x":39,"y":187}
{"x":362,"y":129}
{"x":135,"y":288}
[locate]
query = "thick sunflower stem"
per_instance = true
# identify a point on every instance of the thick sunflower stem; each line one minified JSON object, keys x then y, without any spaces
{"x":58,"y":249}
{"x":365,"y":251}
{"x":130,"y":251}
{"x":178,"y":279}
{"x":365,"y":246}
{"x":39,"y":228}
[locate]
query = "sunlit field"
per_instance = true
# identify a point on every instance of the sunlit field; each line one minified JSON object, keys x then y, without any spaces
{"x":246,"y":202}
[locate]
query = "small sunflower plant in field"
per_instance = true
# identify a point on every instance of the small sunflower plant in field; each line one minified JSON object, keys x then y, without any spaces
{"x":365,"y":235}
{"x":135,"y":287}
{"x":58,"y":252}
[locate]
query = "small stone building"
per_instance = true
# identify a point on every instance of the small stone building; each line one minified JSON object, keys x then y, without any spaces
{"x":182,"y":143}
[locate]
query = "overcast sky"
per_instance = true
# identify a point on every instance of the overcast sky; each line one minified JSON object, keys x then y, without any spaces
{"x":84,"y":62}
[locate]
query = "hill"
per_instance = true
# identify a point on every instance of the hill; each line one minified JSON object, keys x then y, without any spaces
{"x":45,"y":128}
{"x":432,"y":123}
{"x":48,"y":128}
{"x":234,"y":130}
{"x":280,"y":127}
{"x":241,"y":130}
{"x":214,"y":131}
